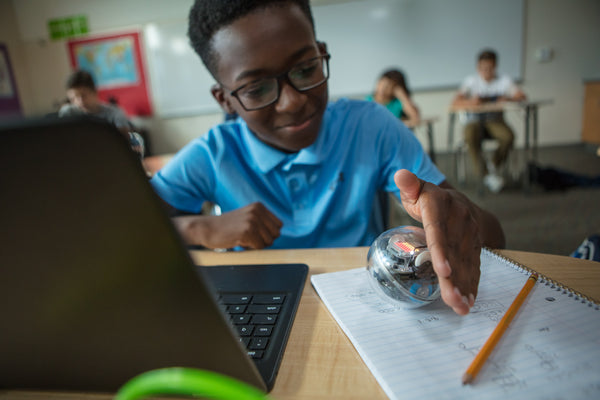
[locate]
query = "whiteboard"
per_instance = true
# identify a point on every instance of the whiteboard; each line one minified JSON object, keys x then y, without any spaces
{"x":179,"y":82}
{"x":435,"y":42}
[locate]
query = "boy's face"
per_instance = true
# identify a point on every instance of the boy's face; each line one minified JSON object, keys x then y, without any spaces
{"x":83,"y":98}
{"x":486,"y":69}
{"x":263,"y":44}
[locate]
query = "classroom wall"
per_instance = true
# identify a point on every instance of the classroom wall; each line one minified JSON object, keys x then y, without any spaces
{"x":9,"y":36}
{"x":570,"y":28}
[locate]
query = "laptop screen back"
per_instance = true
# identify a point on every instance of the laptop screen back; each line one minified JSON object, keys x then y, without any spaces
{"x":95,"y":286}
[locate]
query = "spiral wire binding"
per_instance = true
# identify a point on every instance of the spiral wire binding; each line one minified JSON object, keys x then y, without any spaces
{"x":542,"y":279}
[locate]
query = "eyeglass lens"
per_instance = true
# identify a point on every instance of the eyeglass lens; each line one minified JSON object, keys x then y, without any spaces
{"x":302,"y":77}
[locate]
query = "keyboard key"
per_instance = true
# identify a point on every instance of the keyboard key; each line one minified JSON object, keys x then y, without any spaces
{"x":264,"y":319}
{"x":236,"y":309}
{"x":254,"y":317}
{"x":236,"y":299}
{"x":245,"y":330}
{"x":259,"y":343}
{"x":269,"y":299}
{"x":263,"y":309}
{"x":263,"y":331}
{"x":239,"y":319}
{"x":256,"y":354}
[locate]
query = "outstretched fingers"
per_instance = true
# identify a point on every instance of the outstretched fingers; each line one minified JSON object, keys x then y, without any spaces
{"x":448,"y":231}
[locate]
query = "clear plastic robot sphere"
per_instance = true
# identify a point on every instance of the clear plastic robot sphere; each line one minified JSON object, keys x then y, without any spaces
{"x":400,"y":269}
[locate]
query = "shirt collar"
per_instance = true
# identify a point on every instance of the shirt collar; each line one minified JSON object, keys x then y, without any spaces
{"x":267,"y":158}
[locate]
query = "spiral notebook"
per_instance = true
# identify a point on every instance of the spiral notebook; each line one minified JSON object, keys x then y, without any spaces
{"x":551,"y":350}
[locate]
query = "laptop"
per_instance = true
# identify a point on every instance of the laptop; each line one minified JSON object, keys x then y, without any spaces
{"x":96,"y":285}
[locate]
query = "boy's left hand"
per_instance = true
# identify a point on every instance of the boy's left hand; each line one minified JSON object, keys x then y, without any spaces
{"x":452,"y":230}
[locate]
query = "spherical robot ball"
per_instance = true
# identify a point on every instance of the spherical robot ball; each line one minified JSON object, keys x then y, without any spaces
{"x":400,"y":269}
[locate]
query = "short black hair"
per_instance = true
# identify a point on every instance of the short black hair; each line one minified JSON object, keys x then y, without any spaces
{"x":489,"y":55}
{"x":208,"y":16}
{"x":398,"y":78}
{"x":81,"y":78}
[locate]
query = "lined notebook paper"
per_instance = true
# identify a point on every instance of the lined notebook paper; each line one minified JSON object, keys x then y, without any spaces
{"x":551,"y":350}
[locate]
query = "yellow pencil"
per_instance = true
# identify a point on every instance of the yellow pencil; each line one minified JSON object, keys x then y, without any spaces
{"x":489,"y":345}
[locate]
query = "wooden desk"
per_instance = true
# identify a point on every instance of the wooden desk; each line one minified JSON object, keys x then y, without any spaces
{"x":320,"y":362}
{"x":428,"y":124}
{"x":530,"y":120}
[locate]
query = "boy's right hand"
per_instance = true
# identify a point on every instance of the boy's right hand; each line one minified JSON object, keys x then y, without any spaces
{"x":252,"y":227}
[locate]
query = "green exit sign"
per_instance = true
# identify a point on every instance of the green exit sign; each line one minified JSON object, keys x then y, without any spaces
{"x":64,"y":28}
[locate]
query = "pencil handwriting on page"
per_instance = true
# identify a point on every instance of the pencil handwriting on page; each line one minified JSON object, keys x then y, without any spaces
{"x":428,"y":319}
{"x":567,"y":375}
{"x":508,"y":382}
{"x":492,"y":309}
{"x":503,"y":374}
{"x":546,"y":360}
{"x":368,"y":297}
{"x":486,"y":305}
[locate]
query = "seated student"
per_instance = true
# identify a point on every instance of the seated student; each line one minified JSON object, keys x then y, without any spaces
{"x":487,"y":86}
{"x":83,"y":99}
{"x":392,"y":91}
{"x":296,"y":171}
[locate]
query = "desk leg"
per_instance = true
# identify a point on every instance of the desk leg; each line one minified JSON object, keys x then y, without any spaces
{"x":528,"y":158}
{"x":454,"y":157}
{"x":527,"y":132}
{"x":430,"y":139}
{"x":451,"y":120}
{"x":534,"y":114}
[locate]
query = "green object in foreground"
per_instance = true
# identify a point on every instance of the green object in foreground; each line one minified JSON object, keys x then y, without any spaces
{"x":188,"y":382}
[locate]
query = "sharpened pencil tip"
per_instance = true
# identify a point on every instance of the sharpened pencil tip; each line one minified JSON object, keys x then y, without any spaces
{"x":467,"y":379}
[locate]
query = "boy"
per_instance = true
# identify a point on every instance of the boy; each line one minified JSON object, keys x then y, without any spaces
{"x":295,"y":171}
{"x":486,"y":85}
{"x":83,"y":99}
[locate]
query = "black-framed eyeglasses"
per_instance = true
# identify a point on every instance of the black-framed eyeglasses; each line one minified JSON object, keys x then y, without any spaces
{"x":303,"y":76}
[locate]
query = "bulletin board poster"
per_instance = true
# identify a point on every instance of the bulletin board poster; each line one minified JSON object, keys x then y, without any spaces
{"x":9,"y":97}
{"x":116,"y":63}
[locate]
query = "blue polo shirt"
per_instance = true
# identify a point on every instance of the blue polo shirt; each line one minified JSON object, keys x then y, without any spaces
{"x":322,"y":193}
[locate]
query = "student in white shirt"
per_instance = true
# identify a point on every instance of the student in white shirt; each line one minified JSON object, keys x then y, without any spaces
{"x":486,"y":86}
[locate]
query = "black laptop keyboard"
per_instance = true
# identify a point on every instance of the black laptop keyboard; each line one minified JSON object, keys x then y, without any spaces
{"x":255,"y":316}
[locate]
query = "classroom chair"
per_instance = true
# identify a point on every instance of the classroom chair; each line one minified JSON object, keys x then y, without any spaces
{"x":489,"y":145}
